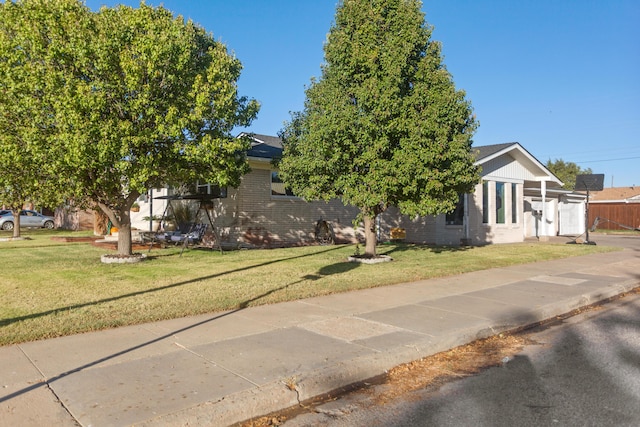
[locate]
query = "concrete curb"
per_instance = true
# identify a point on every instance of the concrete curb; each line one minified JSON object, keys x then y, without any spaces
{"x":223,"y":369}
{"x":278,"y":396}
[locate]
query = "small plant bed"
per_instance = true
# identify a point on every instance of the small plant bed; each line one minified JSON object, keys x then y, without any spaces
{"x":369,"y":259}
{"x":135,"y":246}
{"x":122,"y":259}
{"x":75,"y":239}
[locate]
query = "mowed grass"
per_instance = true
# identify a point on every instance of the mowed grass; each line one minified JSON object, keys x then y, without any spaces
{"x":50,"y":288}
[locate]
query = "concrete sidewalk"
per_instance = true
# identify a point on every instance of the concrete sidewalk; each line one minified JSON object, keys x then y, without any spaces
{"x":224,"y":368}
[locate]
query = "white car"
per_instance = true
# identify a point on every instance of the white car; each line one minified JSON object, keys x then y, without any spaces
{"x":28,"y":218}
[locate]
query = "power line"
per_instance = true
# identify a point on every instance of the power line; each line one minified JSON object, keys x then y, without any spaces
{"x":608,"y":160}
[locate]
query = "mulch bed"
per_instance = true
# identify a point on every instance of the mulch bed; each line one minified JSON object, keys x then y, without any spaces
{"x":76,"y":239}
{"x":102,"y":244}
{"x":134,"y":246}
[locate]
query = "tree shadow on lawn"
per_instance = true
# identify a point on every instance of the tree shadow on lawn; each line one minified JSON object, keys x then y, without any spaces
{"x":5,"y":245}
{"x":337,"y":268}
{"x":387,"y":249}
{"x":96,"y":362}
{"x":6,"y":322}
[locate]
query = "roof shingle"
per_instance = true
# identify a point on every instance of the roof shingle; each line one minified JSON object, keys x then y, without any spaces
{"x":615,"y":193}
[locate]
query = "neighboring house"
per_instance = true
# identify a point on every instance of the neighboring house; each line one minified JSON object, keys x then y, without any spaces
{"x":74,"y":219}
{"x":517,"y":198}
{"x":70,"y":218}
{"x":618,"y":208}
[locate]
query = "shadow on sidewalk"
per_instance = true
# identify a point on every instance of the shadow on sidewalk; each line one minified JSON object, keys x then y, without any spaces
{"x":337,"y":268}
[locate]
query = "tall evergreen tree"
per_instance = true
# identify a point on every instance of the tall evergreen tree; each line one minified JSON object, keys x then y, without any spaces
{"x":384,"y":125}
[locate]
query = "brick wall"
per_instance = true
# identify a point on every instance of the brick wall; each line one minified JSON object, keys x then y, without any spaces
{"x":251,"y":217}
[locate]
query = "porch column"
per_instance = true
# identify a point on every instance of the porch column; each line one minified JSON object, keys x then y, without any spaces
{"x":543,"y":218}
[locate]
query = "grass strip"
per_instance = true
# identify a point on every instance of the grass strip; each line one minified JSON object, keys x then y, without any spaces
{"x":50,"y":288}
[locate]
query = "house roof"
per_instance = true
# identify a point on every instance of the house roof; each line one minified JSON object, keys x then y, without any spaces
{"x":615,"y":194}
{"x":486,"y":153}
{"x":272,"y":141}
{"x":264,"y":146}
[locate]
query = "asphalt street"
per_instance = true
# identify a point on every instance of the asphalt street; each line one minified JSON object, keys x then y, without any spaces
{"x":582,"y":372}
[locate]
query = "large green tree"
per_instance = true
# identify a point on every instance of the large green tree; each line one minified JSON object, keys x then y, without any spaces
{"x":566,"y":172}
{"x":35,"y":40}
{"x":384,"y":125}
{"x":155,"y":105}
{"x":143,"y":99}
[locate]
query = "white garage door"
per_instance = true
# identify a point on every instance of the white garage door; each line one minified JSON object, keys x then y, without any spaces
{"x":571,"y":218}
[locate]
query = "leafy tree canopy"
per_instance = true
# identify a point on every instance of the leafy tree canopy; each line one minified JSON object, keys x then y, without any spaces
{"x":142,"y":99}
{"x":29,"y":76}
{"x":566,"y":172}
{"x":384,"y":124}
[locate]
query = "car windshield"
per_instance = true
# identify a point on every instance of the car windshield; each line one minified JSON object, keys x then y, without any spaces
{"x":4,"y":212}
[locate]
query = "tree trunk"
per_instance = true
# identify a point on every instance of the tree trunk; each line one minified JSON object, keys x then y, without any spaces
{"x":16,"y":223}
{"x":124,"y":238}
{"x":124,"y":233}
{"x":123,"y":222}
{"x":370,"y":235}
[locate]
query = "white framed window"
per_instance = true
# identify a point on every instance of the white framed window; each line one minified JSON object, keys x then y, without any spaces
{"x":500,"y":203}
{"x":485,"y":202}
{"x":456,"y":217}
{"x":278,"y":187}
{"x":514,"y":203}
{"x":212,"y":189}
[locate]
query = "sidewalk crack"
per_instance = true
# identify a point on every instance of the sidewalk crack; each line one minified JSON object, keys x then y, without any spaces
{"x":214,"y":363}
{"x":45,"y":383}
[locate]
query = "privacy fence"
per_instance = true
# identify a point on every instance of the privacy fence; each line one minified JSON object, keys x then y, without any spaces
{"x":615,"y":216}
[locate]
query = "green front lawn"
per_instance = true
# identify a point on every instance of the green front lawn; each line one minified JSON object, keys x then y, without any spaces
{"x":50,"y":288}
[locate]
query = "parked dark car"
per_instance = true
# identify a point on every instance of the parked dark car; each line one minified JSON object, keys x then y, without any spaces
{"x":28,"y":218}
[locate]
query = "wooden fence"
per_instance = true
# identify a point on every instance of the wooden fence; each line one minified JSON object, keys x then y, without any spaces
{"x":627,"y":214}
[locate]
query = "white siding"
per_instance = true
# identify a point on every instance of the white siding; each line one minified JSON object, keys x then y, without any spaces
{"x":506,"y":168}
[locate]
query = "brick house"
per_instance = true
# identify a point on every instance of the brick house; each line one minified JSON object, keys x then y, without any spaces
{"x":517,"y":198}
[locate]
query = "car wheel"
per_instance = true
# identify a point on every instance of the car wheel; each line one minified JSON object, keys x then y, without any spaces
{"x":48,"y":225}
{"x":7,"y":226}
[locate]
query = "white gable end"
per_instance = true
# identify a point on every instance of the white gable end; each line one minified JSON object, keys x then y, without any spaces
{"x":515,"y":164}
{"x":507,"y":168}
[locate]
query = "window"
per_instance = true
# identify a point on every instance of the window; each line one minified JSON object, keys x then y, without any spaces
{"x":485,"y":202}
{"x":212,"y":189}
{"x":514,"y":203}
{"x":456,"y":217}
{"x":500,"y":208}
{"x":278,"y":188}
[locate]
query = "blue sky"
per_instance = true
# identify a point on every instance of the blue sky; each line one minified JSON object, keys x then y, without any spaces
{"x":561,"y":77}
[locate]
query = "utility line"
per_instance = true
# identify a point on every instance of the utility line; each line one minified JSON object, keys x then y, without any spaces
{"x":608,"y":160}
